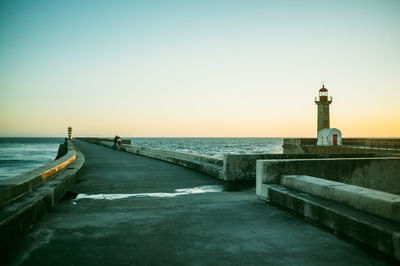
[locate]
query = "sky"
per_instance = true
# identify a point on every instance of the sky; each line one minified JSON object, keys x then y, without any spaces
{"x":198,"y":68}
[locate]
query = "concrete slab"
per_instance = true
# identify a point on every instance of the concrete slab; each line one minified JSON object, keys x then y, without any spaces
{"x":227,"y":227}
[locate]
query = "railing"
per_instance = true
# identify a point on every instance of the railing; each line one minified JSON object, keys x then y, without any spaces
{"x":363,"y":147}
{"x":328,"y":99}
{"x":351,"y":143}
{"x":389,"y":145}
{"x":372,"y":144}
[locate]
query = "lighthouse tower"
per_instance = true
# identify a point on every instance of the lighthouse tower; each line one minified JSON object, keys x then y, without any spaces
{"x":323,"y":101}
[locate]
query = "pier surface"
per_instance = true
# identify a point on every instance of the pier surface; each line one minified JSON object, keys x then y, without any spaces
{"x":132,"y":210}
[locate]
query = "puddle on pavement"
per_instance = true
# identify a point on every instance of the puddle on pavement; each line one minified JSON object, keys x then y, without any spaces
{"x":178,"y":192}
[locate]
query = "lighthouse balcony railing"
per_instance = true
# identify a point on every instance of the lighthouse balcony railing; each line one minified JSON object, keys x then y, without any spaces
{"x":390,"y":145}
{"x":328,"y":99}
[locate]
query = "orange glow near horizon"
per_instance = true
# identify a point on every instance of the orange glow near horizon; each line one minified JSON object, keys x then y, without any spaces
{"x":378,"y":127}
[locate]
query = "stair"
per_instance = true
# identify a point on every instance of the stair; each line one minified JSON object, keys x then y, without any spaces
{"x":372,"y":230}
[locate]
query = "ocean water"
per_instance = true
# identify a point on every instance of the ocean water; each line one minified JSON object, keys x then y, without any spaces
{"x":19,"y":155}
{"x":216,"y":147}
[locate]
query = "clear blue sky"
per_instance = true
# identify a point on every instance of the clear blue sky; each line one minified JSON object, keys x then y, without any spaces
{"x":198,"y":68}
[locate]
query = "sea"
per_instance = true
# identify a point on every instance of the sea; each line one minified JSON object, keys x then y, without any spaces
{"x":19,"y":155}
{"x":216,"y":147}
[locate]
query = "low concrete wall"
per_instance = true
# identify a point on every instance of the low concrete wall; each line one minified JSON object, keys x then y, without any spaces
{"x":380,"y":173}
{"x":202,"y":163}
{"x":243,"y":166}
{"x":376,"y":202}
{"x":18,"y":216}
{"x":22,"y":184}
{"x":97,"y":140}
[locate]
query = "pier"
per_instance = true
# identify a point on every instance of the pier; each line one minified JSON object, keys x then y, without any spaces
{"x":127,"y":209}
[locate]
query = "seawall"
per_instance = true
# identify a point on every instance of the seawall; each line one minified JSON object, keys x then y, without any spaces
{"x":24,"y":183}
{"x":232,"y":168}
{"x":27,"y":197}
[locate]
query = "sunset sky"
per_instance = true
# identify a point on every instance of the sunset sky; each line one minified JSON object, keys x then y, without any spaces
{"x":198,"y":68}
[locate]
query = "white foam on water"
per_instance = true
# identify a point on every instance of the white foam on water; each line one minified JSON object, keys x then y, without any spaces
{"x":178,"y":192}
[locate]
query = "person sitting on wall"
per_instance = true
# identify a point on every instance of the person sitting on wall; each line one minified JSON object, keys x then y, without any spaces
{"x":119,"y":143}
{"x":115,"y":142}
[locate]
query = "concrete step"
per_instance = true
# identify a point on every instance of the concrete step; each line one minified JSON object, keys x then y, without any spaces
{"x":372,"y":230}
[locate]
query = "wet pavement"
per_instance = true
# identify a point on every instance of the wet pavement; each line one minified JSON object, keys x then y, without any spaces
{"x":131,"y":210}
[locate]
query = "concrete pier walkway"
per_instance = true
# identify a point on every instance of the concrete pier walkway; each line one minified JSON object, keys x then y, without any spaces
{"x":132,"y":210}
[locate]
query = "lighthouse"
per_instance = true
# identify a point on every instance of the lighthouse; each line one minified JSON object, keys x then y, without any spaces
{"x":70,"y":132}
{"x":326,"y":136}
{"x":323,"y":101}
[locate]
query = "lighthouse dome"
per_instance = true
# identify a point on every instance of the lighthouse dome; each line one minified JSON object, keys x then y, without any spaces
{"x":323,"y":89}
